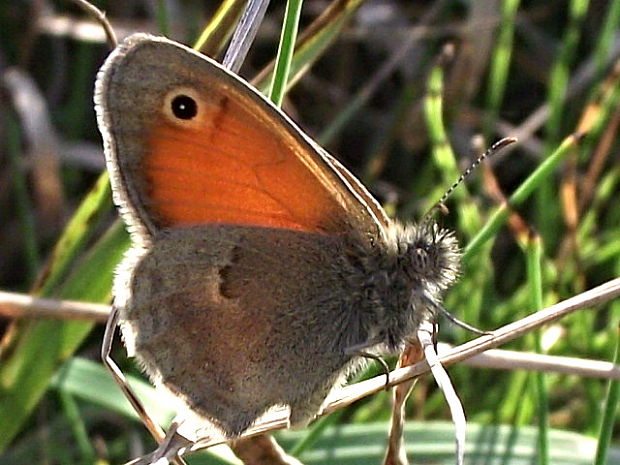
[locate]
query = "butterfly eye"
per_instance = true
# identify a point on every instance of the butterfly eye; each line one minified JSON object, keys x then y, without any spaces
{"x":184,"y":107}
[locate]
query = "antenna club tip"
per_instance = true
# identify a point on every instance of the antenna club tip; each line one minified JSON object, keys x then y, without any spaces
{"x":506,"y":141}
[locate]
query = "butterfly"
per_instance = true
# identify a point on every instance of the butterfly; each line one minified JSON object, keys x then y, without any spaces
{"x":261,"y":270}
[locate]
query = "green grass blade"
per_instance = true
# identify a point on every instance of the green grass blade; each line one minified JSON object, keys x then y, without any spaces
{"x":162,"y":17}
{"x":433,"y":443}
{"x":558,"y":83}
{"x":91,"y":382}
{"x":76,"y":422}
{"x":285,"y":51}
{"x":313,"y":43}
{"x":82,"y":225}
{"x":500,"y":64}
{"x":605,"y":41}
{"x":443,"y":155}
{"x":217,"y":32}
{"x":610,"y":408}
{"x":534,"y":275}
{"x":41,"y":346}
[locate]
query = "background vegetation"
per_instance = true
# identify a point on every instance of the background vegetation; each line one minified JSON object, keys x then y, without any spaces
{"x":400,"y":109}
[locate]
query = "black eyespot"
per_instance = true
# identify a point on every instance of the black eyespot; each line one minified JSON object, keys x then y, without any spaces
{"x":184,"y":107}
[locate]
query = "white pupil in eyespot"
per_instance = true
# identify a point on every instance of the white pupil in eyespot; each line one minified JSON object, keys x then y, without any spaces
{"x":184,"y":107}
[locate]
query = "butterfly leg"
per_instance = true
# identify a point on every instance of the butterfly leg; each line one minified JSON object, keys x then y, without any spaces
{"x":106,"y":348}
{"x":173,"y":445}
{"x":358,"y":351}
{"x":454,"y":320}
{"x":384,"y":366}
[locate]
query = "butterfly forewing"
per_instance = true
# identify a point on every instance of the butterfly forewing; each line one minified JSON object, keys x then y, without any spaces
{"x":237,"y":159}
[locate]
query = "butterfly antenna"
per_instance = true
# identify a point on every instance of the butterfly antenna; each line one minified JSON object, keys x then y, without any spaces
{"x":496,"y":147}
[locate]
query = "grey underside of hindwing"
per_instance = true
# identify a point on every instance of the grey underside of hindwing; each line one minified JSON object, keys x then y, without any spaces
{"x":235,"y":319}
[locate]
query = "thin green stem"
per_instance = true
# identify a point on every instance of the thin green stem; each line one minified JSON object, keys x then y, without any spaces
{"x":500,"y":64}
{"x":613,"y":397}
{"x":78,"y":427}
{"x":285,"y":51}
{"x":548,"y":218}
{"x":534,"y":274}
{"x":162,"y":17}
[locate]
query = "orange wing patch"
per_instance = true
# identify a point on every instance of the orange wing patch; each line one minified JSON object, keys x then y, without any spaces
{"x":234,"y":164}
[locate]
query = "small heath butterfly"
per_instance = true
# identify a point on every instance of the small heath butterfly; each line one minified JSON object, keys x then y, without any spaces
{"x":261,"y":269}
